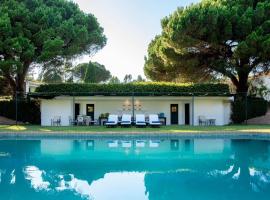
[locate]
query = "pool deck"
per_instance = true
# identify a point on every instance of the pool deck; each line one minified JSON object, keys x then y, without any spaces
{"x":134,"y":135}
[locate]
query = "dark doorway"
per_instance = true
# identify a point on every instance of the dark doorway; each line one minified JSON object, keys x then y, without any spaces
{"x":90,"y":110}
{"x":174,"y":114}
{"x":187,"y":114}
{"x":77,"y":110}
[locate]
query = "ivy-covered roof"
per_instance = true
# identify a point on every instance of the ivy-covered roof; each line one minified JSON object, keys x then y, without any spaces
{"x":136,"y":89}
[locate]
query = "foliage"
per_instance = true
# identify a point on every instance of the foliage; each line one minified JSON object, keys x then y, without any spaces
{"x":104,"y":115}
{"x":4,"y":86}
{"x":28,"y":111}
{"x":92,"y":72}
{"x":143,"y":88}
{"x":140,"y":79}
{"x":247,"y":108}
{"x":211,"y":39}
{"x":42,"y":31}
{"x":114,"y":80}
{"x":258,"y":88}
{"x":128,"y":78}
{"x":56,"y":72}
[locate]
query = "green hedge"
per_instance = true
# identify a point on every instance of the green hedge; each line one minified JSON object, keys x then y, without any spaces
{"x":249,"y":108}
{"x":51,"y":90}
{"x":28,"y":111}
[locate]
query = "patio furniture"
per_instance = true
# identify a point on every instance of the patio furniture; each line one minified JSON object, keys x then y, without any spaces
{"x":87,"y":120}
{"x":140,"y":120}
{"x":72,"y":122}
{"x":203,"y":120}
{"x":154,"y":120}
{"x":56,"y":121}
{"x":211,"y":122}
{"x":163,"y":120}
{"x":80,"y":120}
{"x":126,"y":120}
{"x":112,"y":121}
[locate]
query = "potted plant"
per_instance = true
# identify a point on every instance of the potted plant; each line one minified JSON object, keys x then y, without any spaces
{"x":103,"y":118}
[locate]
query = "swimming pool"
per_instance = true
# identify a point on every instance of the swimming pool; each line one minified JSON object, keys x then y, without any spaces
{"x":134,"y":169}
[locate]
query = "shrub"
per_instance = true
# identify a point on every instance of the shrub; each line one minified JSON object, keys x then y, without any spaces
{"x":28,"y":111}
{"x":247,"y":107}
{"x":142,"y":89}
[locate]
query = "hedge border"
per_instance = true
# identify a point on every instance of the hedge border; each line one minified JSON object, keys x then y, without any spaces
{"x":136,"y":89}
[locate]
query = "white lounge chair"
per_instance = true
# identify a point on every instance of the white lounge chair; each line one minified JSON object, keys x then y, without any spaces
{"x":112,"y":121}
{"x":126,"y":120}
{"x":154,"y":121}
{"x":140,"y":120}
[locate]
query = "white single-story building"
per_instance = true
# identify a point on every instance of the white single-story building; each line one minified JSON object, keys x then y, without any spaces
{"x":176,"y":104}
{"x":176,"y":110}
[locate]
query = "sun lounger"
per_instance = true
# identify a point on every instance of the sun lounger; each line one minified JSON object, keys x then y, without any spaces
{"x":112,"y":121}
{"x":140,"y":120}
{"x":154,"y":121}
{"x":126,"y":120}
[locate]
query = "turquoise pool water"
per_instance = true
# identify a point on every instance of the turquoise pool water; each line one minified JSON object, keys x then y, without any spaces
{"x":134,"y":169}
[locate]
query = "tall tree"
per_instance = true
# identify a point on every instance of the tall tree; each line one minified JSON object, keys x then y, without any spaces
{"x":213,"y":38}
{"x":140,"y":79}
{"x":128,"y":78}
{"x":40,"y":31}
{"x":114,"y":80}
{"x":92,"y":72}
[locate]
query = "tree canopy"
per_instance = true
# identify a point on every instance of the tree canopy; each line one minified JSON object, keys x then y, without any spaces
{"x":212,"y":39}
{"x":41,"y":31}
{"x":92,"y":72}
{"x":114,"y":80}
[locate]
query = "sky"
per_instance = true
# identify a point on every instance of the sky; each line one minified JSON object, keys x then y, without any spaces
{"x":129,"y":26}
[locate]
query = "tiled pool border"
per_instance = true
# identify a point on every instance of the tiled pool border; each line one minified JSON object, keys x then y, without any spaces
{"x":82,"y":135}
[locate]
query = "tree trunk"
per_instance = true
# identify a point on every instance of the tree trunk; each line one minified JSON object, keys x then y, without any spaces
{"x":242,"y":86}
{"x":17,"y":83}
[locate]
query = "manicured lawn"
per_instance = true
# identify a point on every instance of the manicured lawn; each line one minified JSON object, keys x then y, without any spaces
{"x":167,"y":129}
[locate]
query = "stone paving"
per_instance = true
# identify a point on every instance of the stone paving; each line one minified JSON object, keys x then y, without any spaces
{"x":260,"y":120}
{"x":6,"y":121}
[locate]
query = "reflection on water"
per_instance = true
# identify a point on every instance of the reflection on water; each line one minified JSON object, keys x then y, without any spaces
{"x":135,"y":169}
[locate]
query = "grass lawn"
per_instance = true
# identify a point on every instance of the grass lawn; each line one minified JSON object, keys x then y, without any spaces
{"x":164,"y":129}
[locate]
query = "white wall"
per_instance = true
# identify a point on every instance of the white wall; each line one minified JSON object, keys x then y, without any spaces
{"x":56,"y":107}
{"x":149,"y":105}
{"x":211,"y":107}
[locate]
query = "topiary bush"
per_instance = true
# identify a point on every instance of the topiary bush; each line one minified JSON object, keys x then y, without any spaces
{"x":142,"y":89}
{"x":247,"y":108}
{"x":28,"y":111}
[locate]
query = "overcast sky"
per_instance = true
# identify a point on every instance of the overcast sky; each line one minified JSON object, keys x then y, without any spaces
{"x":129,"y":26}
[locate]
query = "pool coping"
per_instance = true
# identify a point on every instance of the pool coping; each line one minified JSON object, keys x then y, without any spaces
{"x":135,"y":135}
